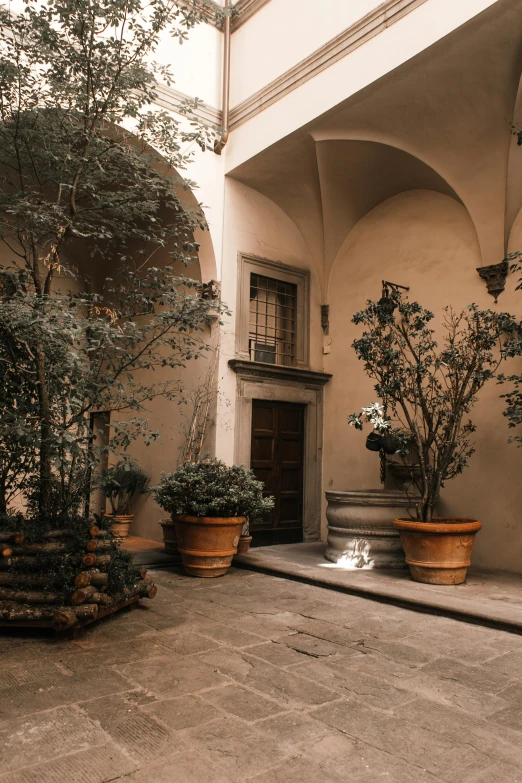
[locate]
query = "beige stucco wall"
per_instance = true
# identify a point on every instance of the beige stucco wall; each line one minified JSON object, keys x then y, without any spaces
{"x":255,"y":225}
{"x":424,"y":240}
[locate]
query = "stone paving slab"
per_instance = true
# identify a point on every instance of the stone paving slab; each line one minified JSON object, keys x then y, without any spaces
{"x":257,"y":678}
{"x":491,"y":598}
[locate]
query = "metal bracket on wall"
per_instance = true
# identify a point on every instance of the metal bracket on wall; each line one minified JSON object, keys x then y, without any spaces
{"x":325,"y":318}
{"x":495,"y":277}
{"x":211,"y":290}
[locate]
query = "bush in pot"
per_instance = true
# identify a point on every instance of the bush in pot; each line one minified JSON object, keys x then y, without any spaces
{"x":120,"y":484}
{"x":427,"y":391}
{"x":210,"y":503}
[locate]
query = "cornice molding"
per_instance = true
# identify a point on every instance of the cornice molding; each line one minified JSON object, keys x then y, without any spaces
{"x":244,"y":10}
{"x":276,"y":372}
{"x":170,"y":99}
{"x":372,"y":24}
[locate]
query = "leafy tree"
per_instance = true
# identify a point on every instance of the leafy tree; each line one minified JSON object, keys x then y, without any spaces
{"x":427,"y":389}
{"x":86,"y":163}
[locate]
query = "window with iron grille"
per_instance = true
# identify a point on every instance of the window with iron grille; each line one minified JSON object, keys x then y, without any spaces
{"x":273,"y":313}
{"x":272,"y":320}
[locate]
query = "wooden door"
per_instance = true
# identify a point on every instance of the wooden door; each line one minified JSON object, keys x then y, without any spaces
{"x":277,"y":459}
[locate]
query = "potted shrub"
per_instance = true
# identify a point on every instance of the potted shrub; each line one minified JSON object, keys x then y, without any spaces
{"x":427,"y":391}
{"x":210,"y":502}
{"x":121,"y":484}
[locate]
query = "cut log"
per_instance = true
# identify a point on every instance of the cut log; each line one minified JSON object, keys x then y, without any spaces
{"x":102,"y":599}
{"x":94,"y":545}
{"x":88,"y":560}
{"x":82,"y":579}
{"x":147,"y":591}
{"x":25,"y":562}
{"x":5,"y":550}
{"x":94,"y":531}
{"x":97,"y":578}
{"x":87,"y":611}
{"x":10,"y":579}
{"x":12,"y":538}
{"x":49,"y":548}
{"x":30,"y":596}
{"x":101,"y":560}
{"x":19,"y":612}
{"x":82,"y":594}
{"x":52,"y":534}
{"x":64,"y":618}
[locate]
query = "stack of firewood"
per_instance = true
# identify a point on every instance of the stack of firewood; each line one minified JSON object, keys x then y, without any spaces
{"x":29,"y":595}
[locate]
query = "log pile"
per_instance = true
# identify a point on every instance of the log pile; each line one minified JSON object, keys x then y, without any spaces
{"x":91,"y":588}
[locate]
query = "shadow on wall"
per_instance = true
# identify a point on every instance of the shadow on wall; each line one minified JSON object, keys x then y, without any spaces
{"x":426,"y":241}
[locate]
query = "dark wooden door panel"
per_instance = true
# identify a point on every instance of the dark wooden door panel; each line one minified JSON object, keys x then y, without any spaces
{"x":277,"y":459}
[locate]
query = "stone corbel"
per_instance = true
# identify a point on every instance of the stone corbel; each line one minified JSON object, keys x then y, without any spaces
{"x":494,"y":277}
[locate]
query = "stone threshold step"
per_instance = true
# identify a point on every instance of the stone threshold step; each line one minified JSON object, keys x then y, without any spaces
{"x":489,"y":598}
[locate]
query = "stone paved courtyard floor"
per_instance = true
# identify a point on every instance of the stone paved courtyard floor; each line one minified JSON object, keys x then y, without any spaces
{"x":255,"y":678}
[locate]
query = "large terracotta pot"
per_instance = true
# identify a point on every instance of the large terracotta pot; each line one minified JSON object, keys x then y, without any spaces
{"x":207,"y":544}
{"x":360,"y":527}
{"x":120,"y":524}
{"x":438,"y":552}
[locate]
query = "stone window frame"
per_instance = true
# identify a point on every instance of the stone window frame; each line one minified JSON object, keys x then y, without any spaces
{"x":250,"y":264}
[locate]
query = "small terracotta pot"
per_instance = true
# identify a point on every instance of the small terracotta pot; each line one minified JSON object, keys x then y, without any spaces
{"x":438,"y":552}
{"x":244,"y":545}
{"x":169,"y":537}
{"x":207,"y":544}
{"x":121,"y":524}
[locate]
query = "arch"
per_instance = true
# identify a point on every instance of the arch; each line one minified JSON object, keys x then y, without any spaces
{"x":357,"y":175}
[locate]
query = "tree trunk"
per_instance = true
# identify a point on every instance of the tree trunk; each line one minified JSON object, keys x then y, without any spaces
{"x":45,"y":471}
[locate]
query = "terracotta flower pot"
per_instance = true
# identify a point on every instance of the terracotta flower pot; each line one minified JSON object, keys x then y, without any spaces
{"x":438,"y":552}
{"x":169,"y":536}
{"x":244,"y":545}
{"x":120,"y":524}
{"x":207,"y":544}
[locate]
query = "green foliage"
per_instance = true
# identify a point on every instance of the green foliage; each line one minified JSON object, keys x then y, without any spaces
{"x":210,"y":488}
{"x":75,"y":75}
{"x":513,"y":349}
{"x":121,"y":483}
{"x":427,"y":390}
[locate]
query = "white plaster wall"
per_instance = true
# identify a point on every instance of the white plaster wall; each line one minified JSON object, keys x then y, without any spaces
{"x":398,"y":43}
{"x":282,"y":34}
{"x":196,"y":63}
{"x":254,"y":224}
{"x":424,"y":240}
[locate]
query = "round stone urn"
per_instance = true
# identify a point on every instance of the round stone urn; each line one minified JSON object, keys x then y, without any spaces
{"x":360,"y":527}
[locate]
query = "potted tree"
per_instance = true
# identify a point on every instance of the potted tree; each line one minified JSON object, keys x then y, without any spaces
{"x":427,"y":391}
{"x":210,"y":502}
{"x":120,"y":484}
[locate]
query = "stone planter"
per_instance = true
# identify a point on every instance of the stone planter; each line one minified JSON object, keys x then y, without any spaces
{"x":360,"y":527}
